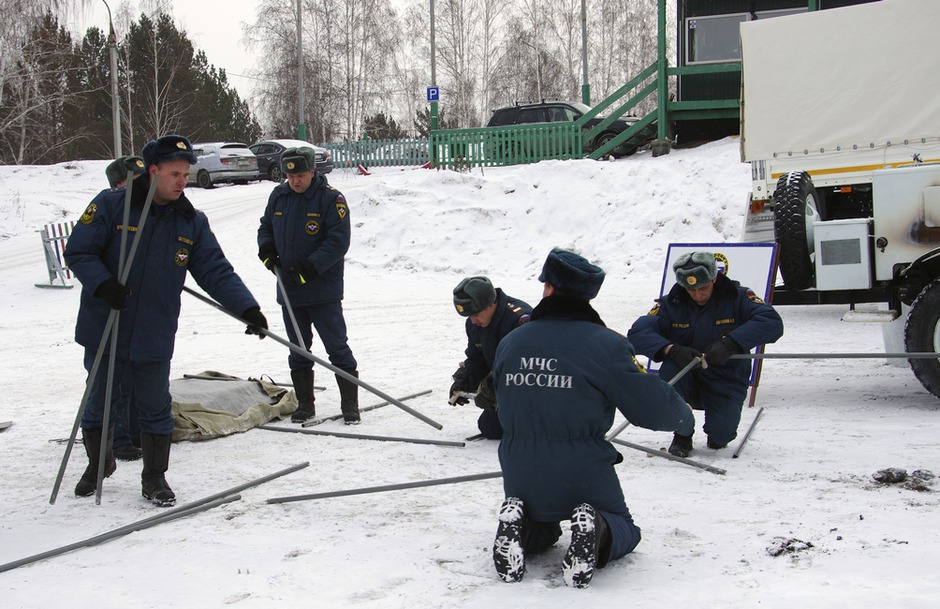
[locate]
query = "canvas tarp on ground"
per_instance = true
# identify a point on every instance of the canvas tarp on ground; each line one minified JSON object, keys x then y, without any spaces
{"x":212,"y":404}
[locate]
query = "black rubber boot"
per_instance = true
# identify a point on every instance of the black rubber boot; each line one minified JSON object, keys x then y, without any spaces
{"x":153,"y":485}
{"x":127,"y":452}
{"x":88,"y":483}
{"x":349,"y":398}
{"x":303,"y":388}
{"x":681,"y":446}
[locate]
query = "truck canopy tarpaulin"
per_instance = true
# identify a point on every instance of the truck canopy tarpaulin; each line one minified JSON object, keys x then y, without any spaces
{"x":857,"y":75}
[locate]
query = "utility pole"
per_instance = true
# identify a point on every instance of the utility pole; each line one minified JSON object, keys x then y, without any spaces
{"x":585,"y":85}
{"x":115,"y":100}
{"x":301,"y":127}
{"x":434,"y":116}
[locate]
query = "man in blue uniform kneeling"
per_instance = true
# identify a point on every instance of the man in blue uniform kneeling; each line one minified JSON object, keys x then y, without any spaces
{"x":558,"y":379}
{"x":706,"y":314}
{"x":491,"y":314}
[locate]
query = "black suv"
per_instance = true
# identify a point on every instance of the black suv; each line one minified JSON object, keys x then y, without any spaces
{"x":559,"y":111}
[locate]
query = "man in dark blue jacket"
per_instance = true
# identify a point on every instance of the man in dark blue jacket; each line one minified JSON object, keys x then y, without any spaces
{"x":491,"y":315}
{"x":707,"y":313}
{"x":175,"y":238}
{"x":558,"y":380}
{"x":304,"y":235}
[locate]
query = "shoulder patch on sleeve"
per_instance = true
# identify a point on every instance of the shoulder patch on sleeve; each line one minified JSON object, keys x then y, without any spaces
{"x":341,"y":210}
{"x":639,"y":366}
{"x":753,"y":297}
{"x":654,"y":310}
{"x":88,"y":216}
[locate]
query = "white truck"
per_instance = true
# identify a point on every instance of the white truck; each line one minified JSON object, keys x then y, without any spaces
{"x":840,"y":121}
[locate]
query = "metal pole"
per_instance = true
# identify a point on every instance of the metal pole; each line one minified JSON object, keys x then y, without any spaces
{"x":585,"y":85}
{"x":301,"y":127}
{"x":433,"y":124}
{"x":163,"y":516}
{"x":388,"y":487}
{"x":695,"y":361}
{"x":665,"y":455}
{"x":334,"y":417}
{"x":104,"y":338}
{"x":317,"y":360}
{"x":119,"y":532}
{"x":287,"y":305}
{"x":912,"y":355}
{"x":356,"y":436}
{"x":748,"y":434}
{"x":115,"y":99}
{"x":112,"y":355}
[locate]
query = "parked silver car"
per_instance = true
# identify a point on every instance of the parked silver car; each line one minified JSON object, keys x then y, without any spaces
{"x":219,"y":162}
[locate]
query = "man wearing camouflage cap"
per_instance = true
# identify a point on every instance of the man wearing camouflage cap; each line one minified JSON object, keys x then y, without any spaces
{"x":491,"y":314}
{"x":304,"y":234}
{"x":707,"y":314}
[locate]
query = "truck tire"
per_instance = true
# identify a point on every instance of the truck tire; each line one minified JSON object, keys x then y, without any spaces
{"x":795,"y":209}
{"x":922,"y":335}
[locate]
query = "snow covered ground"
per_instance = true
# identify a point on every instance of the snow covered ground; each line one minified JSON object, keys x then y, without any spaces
{"x":802,"y":484}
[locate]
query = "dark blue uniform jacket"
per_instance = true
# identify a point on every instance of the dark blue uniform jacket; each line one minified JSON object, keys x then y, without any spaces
{"x":311,"y":226}
{"x":732,"y":310}
{"x":558,"y":379}
{"x":482,"y":342}
{"x":176,"y":238}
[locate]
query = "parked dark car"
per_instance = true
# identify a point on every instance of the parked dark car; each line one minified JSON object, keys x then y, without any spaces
{"x":556,"y":112}
{"x":269,"y":156}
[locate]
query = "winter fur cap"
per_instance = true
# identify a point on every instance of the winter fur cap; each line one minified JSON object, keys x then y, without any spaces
{"x":298,"y":160}
{"x":168,"y":148}
{"x":695,"y":269}
{"x":116,"y":171}
{"x":472,"y":295}
{"x":572,"y":274}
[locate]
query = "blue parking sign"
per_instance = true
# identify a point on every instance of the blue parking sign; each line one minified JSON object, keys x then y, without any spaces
{"x":434,"y":94}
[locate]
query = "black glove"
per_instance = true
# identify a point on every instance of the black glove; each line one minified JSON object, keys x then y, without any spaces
{"x":255,"y":320}
{"x":300,"y":274}
{"x":461,"y":385}
{"x":268,"y":255}
{"x":720,"y":351}
{"x":114,"y":293}
{"x":486,"y":394}
{"x":682,"y":356}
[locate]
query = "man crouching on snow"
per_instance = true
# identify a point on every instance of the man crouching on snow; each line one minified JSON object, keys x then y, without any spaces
{"x":558,"y":379}
{"x":174,"y":239}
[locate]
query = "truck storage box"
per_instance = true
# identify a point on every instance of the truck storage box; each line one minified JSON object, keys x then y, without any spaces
{"x":843,"y":254}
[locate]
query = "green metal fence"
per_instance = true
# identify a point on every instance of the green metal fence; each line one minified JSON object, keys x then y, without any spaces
{"x":496,"y":146}
{"x":379,"y":153}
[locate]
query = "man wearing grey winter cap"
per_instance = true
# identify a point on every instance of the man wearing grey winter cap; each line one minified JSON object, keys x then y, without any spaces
{"x":708,"y":315}
{"x":491,"y":315}
{"x":558,"y":381}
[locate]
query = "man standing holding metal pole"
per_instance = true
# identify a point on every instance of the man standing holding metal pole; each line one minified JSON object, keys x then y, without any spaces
{"x":175,"y":238}
{"x":305,"y":233}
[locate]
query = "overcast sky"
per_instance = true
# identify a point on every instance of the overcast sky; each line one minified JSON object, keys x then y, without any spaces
{"x":214,"y":26}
